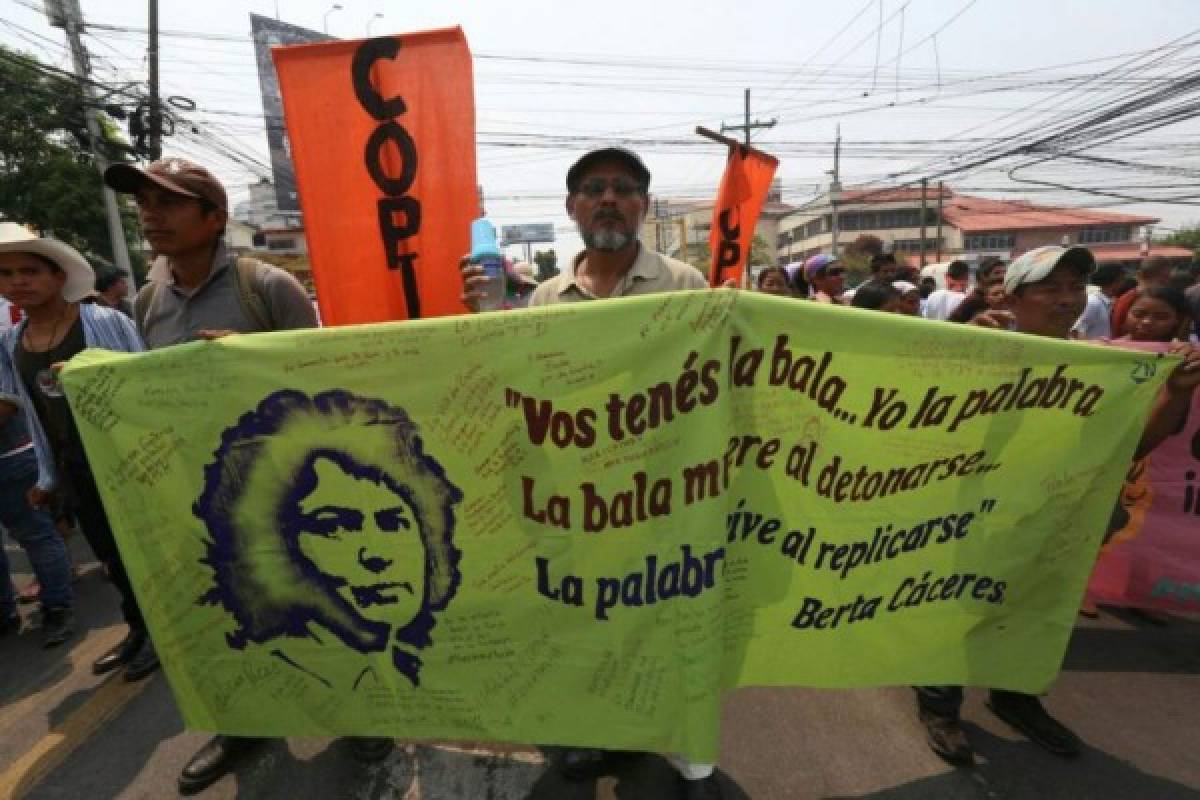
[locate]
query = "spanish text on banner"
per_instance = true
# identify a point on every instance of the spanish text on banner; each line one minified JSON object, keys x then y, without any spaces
{"x":464,"y":528}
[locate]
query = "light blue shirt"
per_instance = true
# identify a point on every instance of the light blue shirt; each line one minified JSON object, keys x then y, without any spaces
{"x":103,"y":327}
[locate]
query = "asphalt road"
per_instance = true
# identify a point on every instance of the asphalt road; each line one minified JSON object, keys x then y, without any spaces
{"x":1129,"y":688}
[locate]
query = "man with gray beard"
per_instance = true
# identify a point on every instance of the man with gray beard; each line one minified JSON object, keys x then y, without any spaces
{"x":607,"y":197}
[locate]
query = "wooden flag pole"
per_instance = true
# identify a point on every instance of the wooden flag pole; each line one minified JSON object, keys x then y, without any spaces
{"x":725,"y":140}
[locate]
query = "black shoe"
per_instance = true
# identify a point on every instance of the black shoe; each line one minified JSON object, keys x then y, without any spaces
{"x":584,"y":765}
{"x":1025,"y":713}
{"x":213,"y":760}
{"x":121,"y":654}
{"x":10,"y":624}
{"x":704,"y":789}
{"x":57,"y":626}
{"x":143,"y":662}
{"x":945,"y":736}
{"x":369,"y":749}
{"x":1153,"y":617}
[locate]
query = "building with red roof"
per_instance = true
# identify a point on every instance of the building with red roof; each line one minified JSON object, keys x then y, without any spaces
{"x":960,"y":226}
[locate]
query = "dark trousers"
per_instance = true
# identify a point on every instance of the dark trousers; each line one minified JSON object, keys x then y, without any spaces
{"x":946,"y":701}
{"x":89,"y":510}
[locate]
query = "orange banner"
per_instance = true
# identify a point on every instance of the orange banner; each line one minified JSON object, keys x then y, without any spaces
{"x":744,"y":186}
{"x":382,"y":135}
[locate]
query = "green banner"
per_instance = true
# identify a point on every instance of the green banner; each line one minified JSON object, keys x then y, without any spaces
{"x":583,"y":524}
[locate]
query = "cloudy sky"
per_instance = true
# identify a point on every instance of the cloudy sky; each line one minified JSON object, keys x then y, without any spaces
{"x":917,"y":86}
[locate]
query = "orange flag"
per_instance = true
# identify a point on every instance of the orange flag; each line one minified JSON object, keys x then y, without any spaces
{"x":744,"y":186}
{"x":382,"y":136}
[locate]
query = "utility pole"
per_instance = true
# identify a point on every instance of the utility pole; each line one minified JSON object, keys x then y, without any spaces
{"x":154,"y":117}
{"x":658,"y":223}
{"x":73,"y":26}
{"x":835,"y":191}
{"x":749,"y":126}
{"x":924,"y":214}
{"x":939,"y":222}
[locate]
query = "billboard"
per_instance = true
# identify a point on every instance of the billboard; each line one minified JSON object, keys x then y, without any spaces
{"x":522,"y":234}
{"x":268,"y":33}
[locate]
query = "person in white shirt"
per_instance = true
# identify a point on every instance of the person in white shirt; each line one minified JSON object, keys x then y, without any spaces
{"x":1096,"y":320}
{"x":941,"y":303}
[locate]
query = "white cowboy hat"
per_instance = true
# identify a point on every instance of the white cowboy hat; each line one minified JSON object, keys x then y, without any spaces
{"x":81,"y":279}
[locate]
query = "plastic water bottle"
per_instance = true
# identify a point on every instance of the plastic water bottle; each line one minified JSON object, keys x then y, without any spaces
{"x":486,"y":253}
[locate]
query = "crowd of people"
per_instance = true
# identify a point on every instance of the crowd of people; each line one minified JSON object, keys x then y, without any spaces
{"x":198,"y":289}
{"x":1112,"y":292}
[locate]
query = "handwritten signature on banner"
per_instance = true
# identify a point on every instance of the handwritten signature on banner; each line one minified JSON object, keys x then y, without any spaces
{"x":637,"y":504}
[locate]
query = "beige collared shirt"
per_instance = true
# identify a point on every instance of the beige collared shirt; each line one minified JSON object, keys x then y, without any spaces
{"x":651,"y":273}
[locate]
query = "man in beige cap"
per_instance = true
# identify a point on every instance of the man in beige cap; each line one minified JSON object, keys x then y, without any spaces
{"x":198,"y":290}
{"x":1047,"y":290}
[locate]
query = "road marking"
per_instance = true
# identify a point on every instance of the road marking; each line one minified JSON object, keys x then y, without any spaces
{"x":523,"y":754}
{"x":414,"y":789}
{"x":96,"y":644}
{"x":53,"y":749}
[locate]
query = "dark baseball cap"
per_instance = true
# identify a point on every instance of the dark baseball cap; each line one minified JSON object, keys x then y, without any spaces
{"x":177,"y":175}
{"x":627,"y":157}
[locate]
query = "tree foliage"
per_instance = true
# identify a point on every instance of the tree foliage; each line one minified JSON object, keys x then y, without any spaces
{"x":48,"y":179}
{"x":547,"y":264}
{"x":866,"y":245}
{"x":760,"y":252}
{"x":1188,"y":237}
{"x":856,"y":256}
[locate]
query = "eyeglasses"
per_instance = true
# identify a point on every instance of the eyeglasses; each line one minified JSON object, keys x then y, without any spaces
{"x":836,"y":272}
{"x":621,"y":187}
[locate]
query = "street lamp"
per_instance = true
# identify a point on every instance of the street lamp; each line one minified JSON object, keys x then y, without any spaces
{"x":374,"y":17}
{"x":325,"y":19}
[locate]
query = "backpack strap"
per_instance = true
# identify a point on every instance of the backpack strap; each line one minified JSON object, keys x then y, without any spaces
{"x":247,"y":281}
{"x":142,"y":303}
